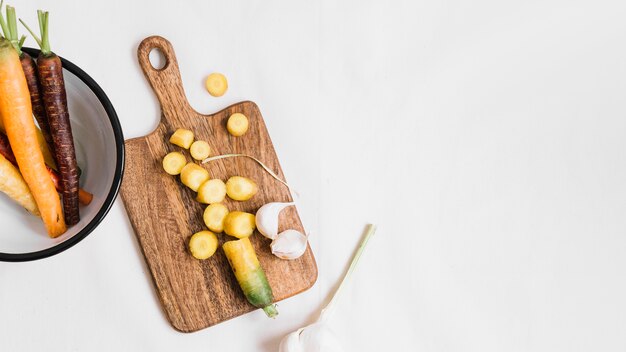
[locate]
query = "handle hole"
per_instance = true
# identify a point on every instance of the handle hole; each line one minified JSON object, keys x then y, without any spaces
{"x":157,"y":59}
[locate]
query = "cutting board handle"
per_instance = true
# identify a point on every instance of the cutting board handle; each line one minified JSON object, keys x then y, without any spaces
{"x":165,"y":81}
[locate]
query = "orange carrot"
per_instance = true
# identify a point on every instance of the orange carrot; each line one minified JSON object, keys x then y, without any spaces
{"x":17,"y":116}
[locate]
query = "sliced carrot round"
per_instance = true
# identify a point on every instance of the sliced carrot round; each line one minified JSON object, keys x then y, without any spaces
{"x":203,"y":244}
{"x":200,"y":150}
{"x":216,"y":84}
{"x":237,"y":124}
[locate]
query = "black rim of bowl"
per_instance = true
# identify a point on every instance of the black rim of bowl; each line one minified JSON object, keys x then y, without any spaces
{"x":117,"y":179}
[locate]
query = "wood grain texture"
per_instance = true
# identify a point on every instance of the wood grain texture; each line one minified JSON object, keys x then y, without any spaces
{"x":164,"y":214}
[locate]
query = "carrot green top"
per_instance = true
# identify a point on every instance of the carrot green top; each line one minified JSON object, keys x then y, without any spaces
{"x":43,"y":42}
{"x":9,"y":28}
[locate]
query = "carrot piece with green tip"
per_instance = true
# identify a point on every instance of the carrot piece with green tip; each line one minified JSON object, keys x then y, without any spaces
{"x":250,"y":275}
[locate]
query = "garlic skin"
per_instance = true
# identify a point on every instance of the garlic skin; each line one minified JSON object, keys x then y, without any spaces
{"x":289,"y":244}
{"x":267,"y":218}
{"x":313,"y":338}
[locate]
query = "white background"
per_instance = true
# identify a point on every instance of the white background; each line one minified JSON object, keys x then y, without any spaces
{"x":485,"y":138}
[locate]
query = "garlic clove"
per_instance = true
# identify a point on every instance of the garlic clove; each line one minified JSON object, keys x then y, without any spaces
{"x":289,"y":244}
{"x":313,"y":338}
{"x":267,"y":218}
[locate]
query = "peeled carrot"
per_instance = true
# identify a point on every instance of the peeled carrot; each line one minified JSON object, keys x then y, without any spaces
{"x":55,"y":102}
{"x":84,"y":197}
{"x":17,"y":117}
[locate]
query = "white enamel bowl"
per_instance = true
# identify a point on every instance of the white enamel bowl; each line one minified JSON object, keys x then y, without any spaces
{"x":100,"y":154}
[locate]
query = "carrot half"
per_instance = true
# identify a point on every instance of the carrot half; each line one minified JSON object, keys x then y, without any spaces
{"x":84,"y":197}
{"x":55,"y":102}
{"x":17,"y":116}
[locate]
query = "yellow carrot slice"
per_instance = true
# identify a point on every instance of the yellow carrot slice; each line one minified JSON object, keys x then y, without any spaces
{"x":216,"y":84}
{"x":237,"y":124}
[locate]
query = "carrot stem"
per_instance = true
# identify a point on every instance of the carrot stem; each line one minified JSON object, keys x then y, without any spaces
{"x":43,"y":27}
{"x":40,"y":19}
{"x":43,"y":41}
{"x":11,"y":23}
{"x":3,"y":24}
{"x":9,"y":28}
{"x":37,"y":39}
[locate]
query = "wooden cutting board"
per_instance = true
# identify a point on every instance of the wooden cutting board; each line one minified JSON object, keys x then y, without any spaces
{"x":164,"y":214}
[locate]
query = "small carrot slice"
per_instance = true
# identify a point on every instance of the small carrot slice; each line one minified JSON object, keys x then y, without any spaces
{"x":182,"y":138}
{"x":17,"y":116}
{"x":173,"y":163}
{"x":203,"y":244}
{"x":200,"y":150}
{"x":216,"y":84}
{"x":237,"y":124}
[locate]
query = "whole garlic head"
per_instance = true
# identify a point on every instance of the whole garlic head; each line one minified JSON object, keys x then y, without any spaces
{"x":289,"y":244}
{"x":313,"y":338}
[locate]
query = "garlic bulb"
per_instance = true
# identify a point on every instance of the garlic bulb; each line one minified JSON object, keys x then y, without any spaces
{"x":289,"y":244}
{"x":313,"y":338}
{"x":267,"y":218}
{"x":317,"y":336}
